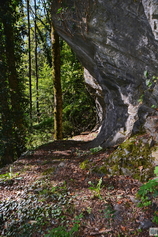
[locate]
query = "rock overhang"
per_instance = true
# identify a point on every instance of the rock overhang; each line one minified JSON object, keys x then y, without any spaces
{"x":115,"y":43}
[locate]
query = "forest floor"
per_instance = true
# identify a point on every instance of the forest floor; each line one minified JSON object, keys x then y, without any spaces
{"x":55,"y":187}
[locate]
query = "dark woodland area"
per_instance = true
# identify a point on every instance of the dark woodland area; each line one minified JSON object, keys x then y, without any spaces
{"x":78,"y":118}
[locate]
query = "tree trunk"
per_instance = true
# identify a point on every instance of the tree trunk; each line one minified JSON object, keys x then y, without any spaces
{"x":30,"y":65}
{"x":36,"y":64}
{"x":6,"y":145}
{"x":57,"y":85}
{"x":14,"y":87}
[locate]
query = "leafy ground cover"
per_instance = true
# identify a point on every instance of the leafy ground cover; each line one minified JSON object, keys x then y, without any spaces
{"x":56,"y":191}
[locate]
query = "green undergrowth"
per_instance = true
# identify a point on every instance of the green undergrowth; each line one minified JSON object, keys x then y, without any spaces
{"x":41,"y":208}
{"x":9,"y":175}
{"x":96,"y":188}
{"x":62,"y":231}
{"x":38,"y":137}
{"x":148,"y":195}
{"x":86,"y":164}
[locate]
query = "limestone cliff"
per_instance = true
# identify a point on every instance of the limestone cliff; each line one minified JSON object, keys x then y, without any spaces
{"x":116,"y":41}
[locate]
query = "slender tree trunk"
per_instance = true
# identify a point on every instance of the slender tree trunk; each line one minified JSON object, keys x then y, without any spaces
{"x":46,"y":48}
{"x":36,"y":63}
{"x":30,"y":66}
{"x":57,"y":85}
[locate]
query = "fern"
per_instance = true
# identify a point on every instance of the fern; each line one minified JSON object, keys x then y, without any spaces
{"x":147,"y":192}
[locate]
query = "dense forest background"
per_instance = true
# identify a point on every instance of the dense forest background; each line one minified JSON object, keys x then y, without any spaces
{"x":64,"y":188}
{"x":27,"y":80}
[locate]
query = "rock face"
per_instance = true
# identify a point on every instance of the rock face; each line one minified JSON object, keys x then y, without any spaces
{"x":151,"y":11}
{"x":116,"y":41}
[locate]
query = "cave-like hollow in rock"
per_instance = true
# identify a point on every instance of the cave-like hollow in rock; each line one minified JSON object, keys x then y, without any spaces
{"x":117,"y":43}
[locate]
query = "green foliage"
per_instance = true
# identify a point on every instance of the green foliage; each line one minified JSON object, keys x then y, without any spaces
{"x":156,"y":171}
{"x":62,"y":231}
{"x":62,"y":10}
{"x":146,"y":74}
{"x":150,"y":82}
{"x":96,"y":149}
{"x":37,"y":137}
{"x":84,"y":164}
{"x":40,"y":204}
{"x":8,"y":175}
{"x":78,"y":106}
{"x":148,"y":192}
{"x":96,"y":188}
{"x":68,"y":128}
{"x":44,"y":124}
{"x":145,"y":189}
{"x":59,"y":10}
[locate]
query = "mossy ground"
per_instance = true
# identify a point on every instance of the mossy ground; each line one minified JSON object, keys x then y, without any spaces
{"x":132,"y":158}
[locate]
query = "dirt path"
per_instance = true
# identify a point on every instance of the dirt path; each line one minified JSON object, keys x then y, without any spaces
{"x":58,"y":185}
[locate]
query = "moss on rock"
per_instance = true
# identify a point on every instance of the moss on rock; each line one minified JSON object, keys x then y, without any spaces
{"x":132,"y":158}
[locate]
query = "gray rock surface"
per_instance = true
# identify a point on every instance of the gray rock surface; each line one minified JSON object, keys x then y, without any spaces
{"x":151,"y":11}
{"x":116,"y":41}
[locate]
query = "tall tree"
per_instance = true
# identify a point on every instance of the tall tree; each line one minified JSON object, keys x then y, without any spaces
{"x":29,"y":57}
{"x":36,"y":61}
{"x":58,"y":131}
{"x":6,"y":146}
{"x":13,"y":113}
{"x":57,"y":85}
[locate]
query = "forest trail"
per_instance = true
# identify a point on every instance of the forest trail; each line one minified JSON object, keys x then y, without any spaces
{"x":58,"y":184}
